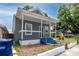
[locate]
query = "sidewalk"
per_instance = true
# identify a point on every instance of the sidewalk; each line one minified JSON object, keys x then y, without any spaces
{"x":71,"y":52}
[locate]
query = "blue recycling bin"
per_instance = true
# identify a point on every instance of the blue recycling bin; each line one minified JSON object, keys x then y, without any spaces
{"x":47,"y":41}
{"x":6,"y":47}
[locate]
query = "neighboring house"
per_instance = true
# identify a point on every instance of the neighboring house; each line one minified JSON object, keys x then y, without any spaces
{"x":31,"y":25}
{"x":10,"y":35}
{"x":3,"y":31}
{"x":68,"y":33}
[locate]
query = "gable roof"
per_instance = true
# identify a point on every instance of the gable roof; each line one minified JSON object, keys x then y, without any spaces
{"x":37,"y":11}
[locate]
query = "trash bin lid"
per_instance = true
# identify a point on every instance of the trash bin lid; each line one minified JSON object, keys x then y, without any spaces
{"x":5,"y":39}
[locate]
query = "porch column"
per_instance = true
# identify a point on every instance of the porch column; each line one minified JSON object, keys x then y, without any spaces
{"x":41,"y":28}
{"x":22,"y":28}
{"x":50,"y":28}
{"x":55,"y":29}
{"x":13,"y":28}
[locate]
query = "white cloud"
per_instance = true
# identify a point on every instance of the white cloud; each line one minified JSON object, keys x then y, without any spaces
{"x":7,"y":12}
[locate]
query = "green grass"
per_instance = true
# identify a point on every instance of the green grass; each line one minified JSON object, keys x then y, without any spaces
{"x":69,"y":40}
{"x":77,"y":39}
{"x":17,"y":47}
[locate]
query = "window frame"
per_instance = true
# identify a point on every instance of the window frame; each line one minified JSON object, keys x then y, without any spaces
{"x":30,"y":31}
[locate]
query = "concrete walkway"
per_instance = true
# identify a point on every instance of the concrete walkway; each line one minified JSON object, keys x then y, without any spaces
{"x":71,"y":52}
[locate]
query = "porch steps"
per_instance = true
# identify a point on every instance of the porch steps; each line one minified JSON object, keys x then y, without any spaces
{"x":47,"y":41}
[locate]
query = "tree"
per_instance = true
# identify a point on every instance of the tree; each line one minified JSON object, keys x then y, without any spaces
{"x":69,"y":17}
{"x":27,"y":7}
{"x":46,"y":14}
{"x":64,"y":17}
{"x":75,"y":17}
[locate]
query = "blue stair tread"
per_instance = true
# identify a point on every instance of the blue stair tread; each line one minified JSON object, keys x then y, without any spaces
{"x":47,"y":41}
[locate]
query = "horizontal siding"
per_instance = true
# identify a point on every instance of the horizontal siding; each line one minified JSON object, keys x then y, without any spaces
{"x":35,"y":26}
{"x":17,"y":35}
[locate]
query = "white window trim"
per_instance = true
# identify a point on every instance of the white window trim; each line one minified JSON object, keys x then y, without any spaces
{"x":46,"y":28}
{"x":28,"y":30}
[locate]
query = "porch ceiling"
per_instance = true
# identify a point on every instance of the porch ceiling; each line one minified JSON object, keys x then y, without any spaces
{"x":35,"y":20}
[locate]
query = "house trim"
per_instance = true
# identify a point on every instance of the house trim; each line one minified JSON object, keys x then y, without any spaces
{"x":28,"y":30}
{"x":29,"y":42}
{"x":22,"y":27}
{"x":13,"y":23}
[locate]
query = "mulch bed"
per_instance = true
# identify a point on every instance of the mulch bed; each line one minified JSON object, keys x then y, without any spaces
{"x":34,"y":49}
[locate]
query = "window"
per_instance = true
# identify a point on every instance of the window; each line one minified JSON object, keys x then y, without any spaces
{"x":46,"y":28}
{"x":28,"y":29}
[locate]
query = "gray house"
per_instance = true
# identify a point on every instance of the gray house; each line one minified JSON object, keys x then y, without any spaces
{"x":31,"y":25}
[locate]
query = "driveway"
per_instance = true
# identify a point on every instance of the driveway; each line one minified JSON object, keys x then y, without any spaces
{"x":71,"y":52}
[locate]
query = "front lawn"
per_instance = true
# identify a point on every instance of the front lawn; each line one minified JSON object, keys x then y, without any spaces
{"x":17,"y":47}
{"x":69,"y":40}
{"x":32,"y":49}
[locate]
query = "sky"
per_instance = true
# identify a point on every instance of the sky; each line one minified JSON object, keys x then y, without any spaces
{"x":7,"y":10}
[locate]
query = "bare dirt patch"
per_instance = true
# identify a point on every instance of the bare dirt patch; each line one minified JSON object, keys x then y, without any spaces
{"x":33,"y":49}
